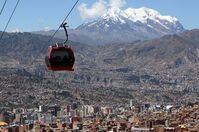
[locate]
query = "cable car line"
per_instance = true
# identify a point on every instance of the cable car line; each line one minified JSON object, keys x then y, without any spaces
{"x":3,"y":6}
{"x":64,"y":20}
{"x":61,"y":56}
{"x":9,"y":19}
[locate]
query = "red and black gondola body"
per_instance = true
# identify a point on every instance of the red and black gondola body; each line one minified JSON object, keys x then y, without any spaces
{"x":60,"y":58}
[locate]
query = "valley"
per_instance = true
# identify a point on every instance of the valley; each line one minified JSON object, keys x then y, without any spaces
{"x":158,"y":70}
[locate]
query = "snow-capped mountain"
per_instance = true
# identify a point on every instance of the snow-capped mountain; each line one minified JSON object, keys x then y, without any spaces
{"x":129,"y":25}
{"x":117,"y":26}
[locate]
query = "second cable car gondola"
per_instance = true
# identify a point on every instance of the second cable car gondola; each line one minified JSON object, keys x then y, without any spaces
{"x":61,"y":56}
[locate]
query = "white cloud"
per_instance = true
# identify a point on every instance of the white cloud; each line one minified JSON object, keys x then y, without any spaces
{"x":42,"y":24}
{"x":99,"y":8}
{"x":16,"y":30}
{"x":117,"y":3}
{"x":96,"y":10}
{"x":46,"y":29}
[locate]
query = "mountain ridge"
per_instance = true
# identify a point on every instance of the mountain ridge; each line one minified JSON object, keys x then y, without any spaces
{"x":130,"y":25}
{"x":124,"y":26}
{"x":159,"y":70}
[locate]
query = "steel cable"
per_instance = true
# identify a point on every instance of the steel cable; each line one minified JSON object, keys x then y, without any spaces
{"x":9,"y":19}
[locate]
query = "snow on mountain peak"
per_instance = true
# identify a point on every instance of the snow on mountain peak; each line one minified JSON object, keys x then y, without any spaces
{"x":144,"y":13}
{"x":115,"y":14}
{"x":142,"y":23}
{"x":141,"y":14}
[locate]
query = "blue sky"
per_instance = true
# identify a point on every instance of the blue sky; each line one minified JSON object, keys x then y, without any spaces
{"x":34,"y":15}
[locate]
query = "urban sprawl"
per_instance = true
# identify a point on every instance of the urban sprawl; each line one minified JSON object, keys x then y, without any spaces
{"x":78,"y":117}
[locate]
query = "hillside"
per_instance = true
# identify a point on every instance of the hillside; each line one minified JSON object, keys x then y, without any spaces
{"x":158,"y":70}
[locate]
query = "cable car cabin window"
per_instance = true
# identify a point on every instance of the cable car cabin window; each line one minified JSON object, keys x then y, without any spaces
{"x":61,"y":58}
{"x":60,"y":53}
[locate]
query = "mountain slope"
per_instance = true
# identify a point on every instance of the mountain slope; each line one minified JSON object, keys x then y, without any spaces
{"x":123,"y":26}
{"x":159,"y":70}
{"x":167,"y":51}
{"x":130,"y":25}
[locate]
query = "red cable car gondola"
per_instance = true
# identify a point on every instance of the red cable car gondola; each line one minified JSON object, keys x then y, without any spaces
{"x":61,"y":56}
